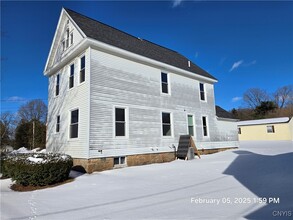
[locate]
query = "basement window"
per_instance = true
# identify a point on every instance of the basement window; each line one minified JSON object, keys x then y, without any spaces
{"x":270,"y":129}
{"x":119,"y":161}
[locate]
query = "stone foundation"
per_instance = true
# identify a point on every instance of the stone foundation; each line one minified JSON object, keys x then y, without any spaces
{"x":101,"y":164}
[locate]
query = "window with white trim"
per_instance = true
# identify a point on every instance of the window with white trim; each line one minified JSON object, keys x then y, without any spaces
{"x":270,"y":129}
{"x":74,"y":119}
{"x":190,"y":125}
{"x":71,"y":76}
{"x":82,"y":70}
{"x":164,"y":83}
{"x":71,"y":38}
{"x":57,"y":85}
{"x":119,"y":161}
{"x":120,"y":122}
{"x":202,"y":92}
{"x":58,"y":124}
{"x":67,"y":38}
{"x":204,"y":126}
{"x":166,"y":124}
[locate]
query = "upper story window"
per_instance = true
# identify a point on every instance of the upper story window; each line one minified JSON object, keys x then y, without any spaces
{"x":74,"y":124}
{"x":57,"y":85}
{"x":164,"y":83}
{"x":82,"y":70}
{"x":166,"y":124}
{"x":205,"y":126}
{"x":71,"y":76}
{"x":270,"y":129}
{"x":202,"y":92}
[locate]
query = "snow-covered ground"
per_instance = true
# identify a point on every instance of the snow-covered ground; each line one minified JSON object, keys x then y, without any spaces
{"x":227,"y":185}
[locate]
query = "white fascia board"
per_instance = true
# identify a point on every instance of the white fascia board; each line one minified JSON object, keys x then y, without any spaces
{"x":123,"y":53}
{"x":63,"y":12}
{"x":264,"y":121}
{"x":227,"y":119}
{"x":82,"y":46}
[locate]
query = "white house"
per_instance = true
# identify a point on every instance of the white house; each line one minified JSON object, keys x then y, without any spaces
{"x":116,"y":100}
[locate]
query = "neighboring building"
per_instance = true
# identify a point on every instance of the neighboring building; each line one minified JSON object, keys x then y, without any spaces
{"x":271,"y":129}
{"x":115,"y":99}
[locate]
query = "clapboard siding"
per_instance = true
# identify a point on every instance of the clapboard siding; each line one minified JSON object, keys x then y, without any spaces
{"x":117,"y":81}
{"x":69,"y":99}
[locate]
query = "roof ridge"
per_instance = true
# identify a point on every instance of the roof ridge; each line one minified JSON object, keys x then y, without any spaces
{"x":134,"y":44}
{"x":137,"y":38}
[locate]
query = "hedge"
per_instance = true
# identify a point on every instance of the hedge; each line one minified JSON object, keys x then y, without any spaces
{"x":37,"y":169}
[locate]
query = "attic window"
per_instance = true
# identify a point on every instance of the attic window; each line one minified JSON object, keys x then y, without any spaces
{"x":68,"y":39}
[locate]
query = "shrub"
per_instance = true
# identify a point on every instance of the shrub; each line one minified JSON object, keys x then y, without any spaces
{"x":38,"y":169}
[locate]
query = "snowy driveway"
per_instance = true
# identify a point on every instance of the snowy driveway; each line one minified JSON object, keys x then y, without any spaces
{"x":227,"y":185}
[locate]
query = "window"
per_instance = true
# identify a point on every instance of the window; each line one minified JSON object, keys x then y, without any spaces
{"x":63,"y":45}
{"x":57,"y":84}
{"x":74,"y":124}
{"x":239,"y":130}
{"x":166,"y":124}
{"x":204,"y":126}
{"x":82,"y":70}
{"x":67,"y":38}
{"x":120,"y":123}
{"x":270,"y":129}
{"x":202,"y":92}
{"x":58,"y":124}
{"x":71,"y":38}
{"x":119,"y":161}
{"x":71,"y":77}
{"x":164,"y":81}
{"x":190,"y":125}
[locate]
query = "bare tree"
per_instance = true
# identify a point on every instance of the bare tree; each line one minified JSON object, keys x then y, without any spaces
{"x":6,"y":127}
{"x":33,"y":110}
{"x":254,"y":96}
{"x":284,"y":96}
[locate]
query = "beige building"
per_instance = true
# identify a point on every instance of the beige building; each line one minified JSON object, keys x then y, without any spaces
{"x":272,"y":129}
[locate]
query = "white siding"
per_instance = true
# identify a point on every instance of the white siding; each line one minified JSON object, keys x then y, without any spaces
{"x":69,"y":99}
{"x":118,"y":81}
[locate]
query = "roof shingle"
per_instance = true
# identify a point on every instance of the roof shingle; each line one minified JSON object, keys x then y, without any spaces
{"x":112,"y":36}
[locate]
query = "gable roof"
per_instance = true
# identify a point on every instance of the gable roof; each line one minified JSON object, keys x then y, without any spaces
{"x":114,"y":37}
{"x":222,"y":113}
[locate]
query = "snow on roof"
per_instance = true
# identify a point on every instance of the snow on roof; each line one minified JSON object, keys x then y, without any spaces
{"x":264,"y":121}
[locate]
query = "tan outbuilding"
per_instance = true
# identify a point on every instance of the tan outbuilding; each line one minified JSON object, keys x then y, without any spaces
{"x":271,"y":129}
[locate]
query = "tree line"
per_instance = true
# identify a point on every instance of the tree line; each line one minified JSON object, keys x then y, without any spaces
{"x":26,"y":128}
{"x":259,"y":104}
